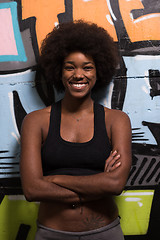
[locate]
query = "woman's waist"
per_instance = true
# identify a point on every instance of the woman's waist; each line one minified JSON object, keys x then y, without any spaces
{"x":77,"y":217}
{"x":114,"y":224}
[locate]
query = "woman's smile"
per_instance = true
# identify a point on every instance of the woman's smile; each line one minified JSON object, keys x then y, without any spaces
{"x":78,"y":85}
{"x":78,"y":74}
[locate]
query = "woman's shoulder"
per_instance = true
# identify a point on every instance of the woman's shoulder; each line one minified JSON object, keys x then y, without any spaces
{"x":41,"y":113}
{"x":115,"y":115}
{"x":37,"y":117}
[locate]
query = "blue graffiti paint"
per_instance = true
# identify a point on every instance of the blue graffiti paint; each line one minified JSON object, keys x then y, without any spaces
{"x":23,"y":84}
{"x":138,"y":103}
{"x":21,"y":56}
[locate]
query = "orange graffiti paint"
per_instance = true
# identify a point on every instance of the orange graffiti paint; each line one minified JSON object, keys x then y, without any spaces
{"x":45,"y":13}
{"x":143,"y":28}
{"x":95,"y":11}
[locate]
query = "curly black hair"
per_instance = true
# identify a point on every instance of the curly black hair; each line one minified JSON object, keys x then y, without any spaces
{"x":84,"y":37}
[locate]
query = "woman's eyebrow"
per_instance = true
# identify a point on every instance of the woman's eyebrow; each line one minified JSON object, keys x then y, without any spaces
{"x":88,"y":62}
{"x":72,"y":62}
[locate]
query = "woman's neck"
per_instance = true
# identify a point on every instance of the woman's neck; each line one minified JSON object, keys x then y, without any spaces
{"x":71,"y":104}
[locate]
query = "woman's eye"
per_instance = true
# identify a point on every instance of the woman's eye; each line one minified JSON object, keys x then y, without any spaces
{"x":88,"y":68}
{"x":68,"y":68}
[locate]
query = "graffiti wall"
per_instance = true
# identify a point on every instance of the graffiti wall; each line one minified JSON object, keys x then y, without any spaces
{"x":134,"y":26}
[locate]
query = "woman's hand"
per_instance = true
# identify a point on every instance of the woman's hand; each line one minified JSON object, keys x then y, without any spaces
{"x":112,"y":162}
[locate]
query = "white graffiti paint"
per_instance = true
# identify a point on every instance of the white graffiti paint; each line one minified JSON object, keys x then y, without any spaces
{"x":155,"y":15}
{"x":144,"y":193}
{"x":108,"y":17}
{"x":110,"y":10}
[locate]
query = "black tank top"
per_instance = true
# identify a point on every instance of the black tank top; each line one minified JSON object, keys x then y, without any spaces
{"x":70,"y":158}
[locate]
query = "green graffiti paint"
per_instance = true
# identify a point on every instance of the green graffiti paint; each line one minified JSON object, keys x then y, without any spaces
{"x":15,"y":211}
{"x":134,"y":209}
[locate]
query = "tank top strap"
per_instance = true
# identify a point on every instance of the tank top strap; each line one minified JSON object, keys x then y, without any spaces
{"x":55,"y":118}
{"x":99,"y":115}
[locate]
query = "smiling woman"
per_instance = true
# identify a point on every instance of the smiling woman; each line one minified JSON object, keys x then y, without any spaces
{"x":78,"y":74}
{"x":89,"y":39}
{"x":76,"y":154}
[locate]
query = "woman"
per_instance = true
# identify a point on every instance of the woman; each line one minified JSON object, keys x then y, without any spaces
{"x":76,"y":154}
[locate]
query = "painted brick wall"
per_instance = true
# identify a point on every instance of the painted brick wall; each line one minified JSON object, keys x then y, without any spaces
{"x":134,"y":26}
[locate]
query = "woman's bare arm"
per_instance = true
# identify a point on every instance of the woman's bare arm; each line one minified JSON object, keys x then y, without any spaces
{"x":35,"y":186}
{"x":113,"y":179}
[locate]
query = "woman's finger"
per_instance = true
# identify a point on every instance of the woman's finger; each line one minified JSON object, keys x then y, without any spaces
{"x":111,"y":160}
{"x":115,"y":166}
{"x":111,"y":157}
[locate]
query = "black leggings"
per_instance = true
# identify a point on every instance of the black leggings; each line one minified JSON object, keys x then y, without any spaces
{"x":110,"y":232}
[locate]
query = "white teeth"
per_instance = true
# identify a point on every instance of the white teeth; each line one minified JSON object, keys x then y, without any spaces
{"x":78,"y":85}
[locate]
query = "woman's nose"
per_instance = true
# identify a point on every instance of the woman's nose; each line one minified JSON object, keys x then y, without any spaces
{"x":78,"y":74}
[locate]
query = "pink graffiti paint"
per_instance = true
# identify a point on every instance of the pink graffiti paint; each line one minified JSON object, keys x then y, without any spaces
{"x":7,"y":39}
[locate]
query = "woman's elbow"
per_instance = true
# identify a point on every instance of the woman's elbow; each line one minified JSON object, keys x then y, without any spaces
{"x":118,"y":187}
{"x":118,"y":191}
{"x":30,"y":194}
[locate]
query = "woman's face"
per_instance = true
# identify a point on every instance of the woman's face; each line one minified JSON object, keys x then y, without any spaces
{"x":78,"y":74}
